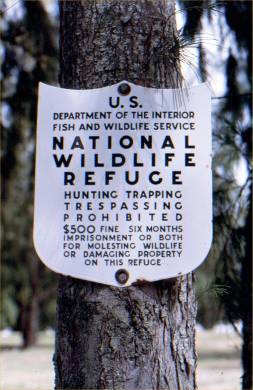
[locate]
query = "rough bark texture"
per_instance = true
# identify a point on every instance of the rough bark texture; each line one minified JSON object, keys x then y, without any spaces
{"x":141,"y":337}
{"x":29,"y":312}
{"x":246,"y":293}
{"x":30,"y":322}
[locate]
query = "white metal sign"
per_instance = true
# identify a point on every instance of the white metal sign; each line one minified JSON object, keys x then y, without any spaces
{"x":123,"y":188}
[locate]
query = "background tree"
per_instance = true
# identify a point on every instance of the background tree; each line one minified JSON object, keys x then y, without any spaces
{"x":141,"y":337}
{"x":29,"y":49}
{"x":231,"y":255}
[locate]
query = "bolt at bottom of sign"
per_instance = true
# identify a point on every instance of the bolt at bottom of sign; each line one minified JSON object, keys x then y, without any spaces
{"x":122,"y":276}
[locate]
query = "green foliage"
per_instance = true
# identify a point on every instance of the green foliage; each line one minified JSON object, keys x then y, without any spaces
{"x":29,"y":57}
{"x":208,"y":297}
{"x":232,"y":144}
{"x":216,"y":290}
{"x":230,"y":260}
{"x":9,"y":309}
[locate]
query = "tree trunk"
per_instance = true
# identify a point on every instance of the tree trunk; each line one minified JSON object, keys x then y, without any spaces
{"x":246,"y":304}
{"x":30,"y":323}
{"x":141,"y":337}
{"x":30,"y":306}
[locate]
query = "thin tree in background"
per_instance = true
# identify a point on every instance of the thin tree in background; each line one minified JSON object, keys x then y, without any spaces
{"x":140,"y":337}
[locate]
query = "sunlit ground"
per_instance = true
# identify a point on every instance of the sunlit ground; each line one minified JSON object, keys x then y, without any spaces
{"x":218,"y":364}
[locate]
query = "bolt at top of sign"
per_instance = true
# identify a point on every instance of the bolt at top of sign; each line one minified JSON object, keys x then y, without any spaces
{"x":124,"y":89}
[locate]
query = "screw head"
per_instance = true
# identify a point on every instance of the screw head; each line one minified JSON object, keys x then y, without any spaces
{"x":124,"y":89}
{"x":122,"y":276}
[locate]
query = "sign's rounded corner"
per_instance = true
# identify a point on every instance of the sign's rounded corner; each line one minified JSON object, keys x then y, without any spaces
{"x":43,"y":258}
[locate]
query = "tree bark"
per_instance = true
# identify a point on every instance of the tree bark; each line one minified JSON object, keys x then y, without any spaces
{"x":29,"y":308}
{"x":143,"y":336}
{"x":246,"y":303}
{"x":30,"y":323}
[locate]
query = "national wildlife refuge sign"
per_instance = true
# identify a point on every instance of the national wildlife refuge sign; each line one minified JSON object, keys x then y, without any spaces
{"x":123,"y":187}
